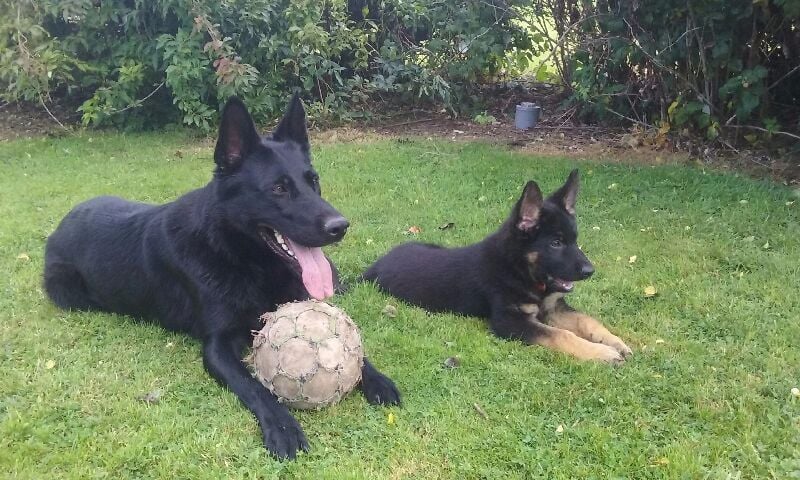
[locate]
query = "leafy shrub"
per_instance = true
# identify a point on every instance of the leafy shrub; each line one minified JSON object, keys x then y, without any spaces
{"x":694,"y":66}
{"x":139,"y":63}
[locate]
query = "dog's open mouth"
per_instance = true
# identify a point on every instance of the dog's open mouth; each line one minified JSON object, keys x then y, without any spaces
{"x":309,"y":262}
{"x":561,"y":285}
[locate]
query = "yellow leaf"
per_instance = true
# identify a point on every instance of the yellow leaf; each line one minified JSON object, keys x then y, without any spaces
{"x":649,"y":291}
{"x":560,"y":429}
{"x":23,"y":256}
{"x":49,"y":364}
{"x":632,"y":259}
{"x":390,"y":419}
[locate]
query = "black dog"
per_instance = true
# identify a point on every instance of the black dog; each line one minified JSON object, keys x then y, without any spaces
{"x":212,"y":261}
{"x":516,"y":278}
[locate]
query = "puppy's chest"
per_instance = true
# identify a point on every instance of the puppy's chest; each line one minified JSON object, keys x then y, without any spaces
{"x":541,"y":309}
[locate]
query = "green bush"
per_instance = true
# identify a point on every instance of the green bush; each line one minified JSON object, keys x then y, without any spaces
{"x":693,"y":66}
{"x":139,"y":63}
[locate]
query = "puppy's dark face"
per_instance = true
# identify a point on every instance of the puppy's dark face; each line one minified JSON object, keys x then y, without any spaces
{"x":548,"y":234}
{"x":269,"y":191}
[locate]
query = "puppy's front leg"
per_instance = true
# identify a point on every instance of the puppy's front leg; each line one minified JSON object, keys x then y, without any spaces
{"x":282,"y":435}
{"x":561,"y":315}
{"x":508,"y":323}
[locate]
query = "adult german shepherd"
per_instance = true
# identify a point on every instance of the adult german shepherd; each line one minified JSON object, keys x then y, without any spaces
{"x":516,"y":278}
{"x":212,"y":261}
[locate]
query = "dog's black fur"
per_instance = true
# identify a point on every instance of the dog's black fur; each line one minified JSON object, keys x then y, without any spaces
{"x":522,"y":269}
{"x":209,"y":263}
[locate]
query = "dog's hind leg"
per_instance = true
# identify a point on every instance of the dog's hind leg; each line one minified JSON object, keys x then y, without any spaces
{"x":66,"y":287}
{"x":565,"y":317}
{"x":282,"y":435}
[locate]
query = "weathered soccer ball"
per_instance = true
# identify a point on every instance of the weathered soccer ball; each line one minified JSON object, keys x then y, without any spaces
{"x":309,"y":354}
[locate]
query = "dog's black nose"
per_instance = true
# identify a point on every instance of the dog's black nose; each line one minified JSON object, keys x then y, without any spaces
{"x":336,"y":227}
{"x":586,"y":271}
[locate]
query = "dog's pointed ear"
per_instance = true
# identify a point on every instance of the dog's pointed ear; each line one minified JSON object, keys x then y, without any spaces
{"x":237,"y":136}
{"x":529,"y":207}
{"x":293,"y":124}
{"x":567,"y":195}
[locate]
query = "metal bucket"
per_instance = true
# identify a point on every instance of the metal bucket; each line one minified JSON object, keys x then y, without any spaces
{"x":527,"y":115}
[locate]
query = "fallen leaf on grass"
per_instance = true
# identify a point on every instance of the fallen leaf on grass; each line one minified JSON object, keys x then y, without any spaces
{"x":49,"y":364}
{"x":659,"y":340}
{"x":766,"y":246}
{"x":560,"y":429}
{"x":632,"y":259}
{"x":23,"y":256}
{"x":795,"y":391}
{"x":414,"y":229}
{"x":390,"y":418}
{"x":151,"y":397}
{"x":650,"y":291}
{"x":390,"y":311}
{"x":447,"y":225}
{"x":452,"y":362}
{"x":613,"y":186}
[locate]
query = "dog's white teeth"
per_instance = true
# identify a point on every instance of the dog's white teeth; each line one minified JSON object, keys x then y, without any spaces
{"x":279,"y":238}
{"x":284,"y":247}
{"x":291,"y":253}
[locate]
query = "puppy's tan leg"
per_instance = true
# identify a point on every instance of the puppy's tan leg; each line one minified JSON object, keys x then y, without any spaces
{"x":586,"y":327}
{"x":567,"y":342}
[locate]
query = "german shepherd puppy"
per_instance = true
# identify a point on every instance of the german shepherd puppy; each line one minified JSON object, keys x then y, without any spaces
{"x":516,"y":278}
{"x":211,"y":262}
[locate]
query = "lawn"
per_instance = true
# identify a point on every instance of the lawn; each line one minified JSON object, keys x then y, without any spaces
{"x":706,"y":395}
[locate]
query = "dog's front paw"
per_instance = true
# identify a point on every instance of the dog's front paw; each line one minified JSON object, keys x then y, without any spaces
{"x":284,"y":437}
{"x":617,"y":344}
{"x":380,"y":390}
{"x":599,"y":352}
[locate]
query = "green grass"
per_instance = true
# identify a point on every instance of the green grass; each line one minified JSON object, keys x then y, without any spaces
{"x":707,"y":394}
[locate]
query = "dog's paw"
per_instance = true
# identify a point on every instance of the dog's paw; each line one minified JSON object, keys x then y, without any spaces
{"x":284,"y":437}
{"x":380,"y":390}
{"x":603,"y":353}
{"x":617,"y":344}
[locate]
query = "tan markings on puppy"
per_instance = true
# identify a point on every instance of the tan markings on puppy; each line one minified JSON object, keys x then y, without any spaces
{"x":567,"y":342}
{"x":529,"y":308}
{"x":550,"y":301}
{"x":586,"y":327}
{"x":532,"y":257}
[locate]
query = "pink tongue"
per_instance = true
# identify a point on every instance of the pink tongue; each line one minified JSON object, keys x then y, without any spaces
{"x":317,"y":275}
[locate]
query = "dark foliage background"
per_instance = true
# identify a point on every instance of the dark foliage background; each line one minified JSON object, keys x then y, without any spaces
{"x":710,"y":68}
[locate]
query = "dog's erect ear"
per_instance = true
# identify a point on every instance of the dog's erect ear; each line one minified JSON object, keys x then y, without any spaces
{"x":567,"y":195}
{"x":293,"y":124}
{"x":237,"y":136}
{"x":529,"y":207}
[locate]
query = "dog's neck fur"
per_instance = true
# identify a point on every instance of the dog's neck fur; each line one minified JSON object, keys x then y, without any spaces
{"x":501,"y":253}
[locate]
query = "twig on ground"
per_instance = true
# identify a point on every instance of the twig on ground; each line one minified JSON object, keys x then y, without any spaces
{"x":776,"y":132}
{"x":480,"y":411}
{"x":41,"y":100}
{"x":409,"y":122}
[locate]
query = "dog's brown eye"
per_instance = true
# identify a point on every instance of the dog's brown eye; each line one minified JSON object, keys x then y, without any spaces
{"x":279,"y":189}
{"x":556,"y":243}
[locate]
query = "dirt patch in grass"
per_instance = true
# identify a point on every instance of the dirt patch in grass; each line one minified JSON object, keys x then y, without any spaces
{"x":26,"y":120}
{"x":555,"y":135}
{"x":551,"y":137}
